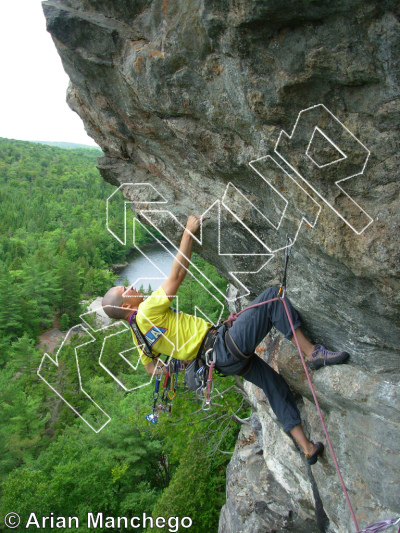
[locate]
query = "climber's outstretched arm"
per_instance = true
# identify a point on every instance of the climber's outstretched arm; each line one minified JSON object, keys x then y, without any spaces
{"x":182,"y":259}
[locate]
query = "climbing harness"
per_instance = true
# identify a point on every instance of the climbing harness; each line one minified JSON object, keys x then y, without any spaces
{"x":206,"y":384}
{"x":174,"y":366}
{"x":207,"y":345}
{"x":204,"y":364}
{"x":205,"y":361}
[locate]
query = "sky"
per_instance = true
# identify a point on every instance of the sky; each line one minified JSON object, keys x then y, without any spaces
{"x":33,"y":83}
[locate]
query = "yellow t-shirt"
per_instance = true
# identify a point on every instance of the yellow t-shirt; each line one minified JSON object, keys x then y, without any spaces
{"x":168,"y":332}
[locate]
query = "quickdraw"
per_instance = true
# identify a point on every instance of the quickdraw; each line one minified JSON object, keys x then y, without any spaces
{"x":205,"y":376}
{"x":210,"y":384}
{"x":169,"y":387}
{"x":175,"y":367}
{"x":153,"y":417}
{"x":288,"y":251}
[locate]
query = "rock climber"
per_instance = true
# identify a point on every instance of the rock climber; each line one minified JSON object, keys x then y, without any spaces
{"x":233,"y":348}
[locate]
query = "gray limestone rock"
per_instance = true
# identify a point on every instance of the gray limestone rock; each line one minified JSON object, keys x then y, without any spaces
{"x":182,"y":96}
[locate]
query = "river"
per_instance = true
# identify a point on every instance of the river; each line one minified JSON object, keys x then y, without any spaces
{"x":143,"y":270}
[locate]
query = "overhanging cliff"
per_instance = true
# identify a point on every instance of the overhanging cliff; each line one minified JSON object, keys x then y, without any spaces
{"x":183,"y":96}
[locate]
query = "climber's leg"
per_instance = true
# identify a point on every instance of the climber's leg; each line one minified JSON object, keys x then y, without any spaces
{"x":276,"y":390}
{"x":305,"y":345}
{"x":306,"y":445}
{"x":281,"y":401}
{"x":252,"y":326}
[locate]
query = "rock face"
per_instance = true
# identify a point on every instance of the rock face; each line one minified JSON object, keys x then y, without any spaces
{"x":256,"y":502}
{"x":183,"y":96}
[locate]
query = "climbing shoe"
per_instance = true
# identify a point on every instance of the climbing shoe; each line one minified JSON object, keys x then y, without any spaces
{"x":312,"y":459}
{"x":322,"y":357}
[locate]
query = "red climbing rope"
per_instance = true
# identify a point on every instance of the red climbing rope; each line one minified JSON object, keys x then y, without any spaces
{"x":321,"y":417}
{"x":233,"y":317}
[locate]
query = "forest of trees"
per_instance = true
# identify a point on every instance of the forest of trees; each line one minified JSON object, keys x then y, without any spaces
{"x":55,"y":251}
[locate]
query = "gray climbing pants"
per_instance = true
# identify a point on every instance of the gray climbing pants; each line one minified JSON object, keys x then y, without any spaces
{"x":247,"y":332}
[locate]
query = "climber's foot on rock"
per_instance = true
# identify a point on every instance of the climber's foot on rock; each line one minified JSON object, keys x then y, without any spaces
{"x":314,"y":451}
{"x":321,"y":357}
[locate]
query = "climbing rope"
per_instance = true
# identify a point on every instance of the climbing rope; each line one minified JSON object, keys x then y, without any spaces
{"x":320,"y":415}
{"x":373,"y":528}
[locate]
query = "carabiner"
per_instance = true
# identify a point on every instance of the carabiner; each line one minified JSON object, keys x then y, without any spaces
{"x":199,"y":390}
{"x":171,"y":396}
{"x":206,"y":403}
{"x":209,"y":353}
